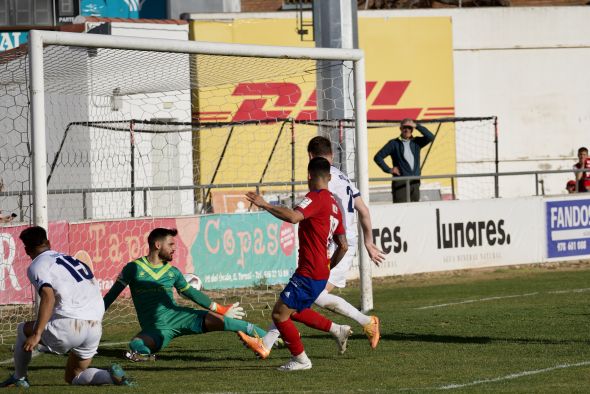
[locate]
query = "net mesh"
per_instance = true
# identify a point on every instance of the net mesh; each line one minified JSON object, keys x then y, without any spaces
{"x":139,"y":139}
{"x":461,"y":146}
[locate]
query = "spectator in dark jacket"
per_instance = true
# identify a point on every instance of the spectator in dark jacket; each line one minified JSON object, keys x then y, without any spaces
{"x":405,"y":156}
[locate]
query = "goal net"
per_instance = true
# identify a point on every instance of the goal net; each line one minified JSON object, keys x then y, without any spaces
{"x":466,"y":147}
{"x":138,"y":134}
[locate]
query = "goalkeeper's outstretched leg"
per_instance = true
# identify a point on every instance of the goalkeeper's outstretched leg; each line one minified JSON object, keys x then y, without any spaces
{"x":186,"y":321}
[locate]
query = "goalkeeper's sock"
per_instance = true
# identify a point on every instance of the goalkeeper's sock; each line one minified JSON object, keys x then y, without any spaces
{"x":137,"y":345}
{"x":236,"y":325}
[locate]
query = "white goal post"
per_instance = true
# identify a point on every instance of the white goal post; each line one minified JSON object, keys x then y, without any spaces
{"x":38,"y":40}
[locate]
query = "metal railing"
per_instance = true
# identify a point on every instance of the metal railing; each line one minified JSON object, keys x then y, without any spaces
{"x":21,"y":194}
{"x":495,"y":175}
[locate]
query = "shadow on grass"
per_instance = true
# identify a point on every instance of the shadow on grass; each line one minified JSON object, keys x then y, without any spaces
{"x":399,"y":336}
{"x":189,"y":355}
{"x":437,"y":338}
{"x":200,"y":367}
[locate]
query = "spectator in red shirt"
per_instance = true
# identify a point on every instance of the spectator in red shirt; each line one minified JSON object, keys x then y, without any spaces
{"x":319,"y":221}
{"x":582,"y":178}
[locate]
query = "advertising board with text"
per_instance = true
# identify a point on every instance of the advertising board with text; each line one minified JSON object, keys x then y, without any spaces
{"x":242,"y":250}
{"x":567,"y":228}
{"x":450,"y":235}
{"x":224,"y":250}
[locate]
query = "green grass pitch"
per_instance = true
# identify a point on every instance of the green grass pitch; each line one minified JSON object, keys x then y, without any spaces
{"x":498,"y":330}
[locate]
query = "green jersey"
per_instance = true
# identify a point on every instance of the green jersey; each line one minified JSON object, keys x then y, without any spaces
{"x":160,"y":317}
{"x":152,"y":294}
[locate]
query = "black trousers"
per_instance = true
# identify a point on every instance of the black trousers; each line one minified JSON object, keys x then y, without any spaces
{"x":400,"y":193}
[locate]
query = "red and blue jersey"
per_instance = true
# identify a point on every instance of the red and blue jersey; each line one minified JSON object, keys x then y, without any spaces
{"x":323,"y":219}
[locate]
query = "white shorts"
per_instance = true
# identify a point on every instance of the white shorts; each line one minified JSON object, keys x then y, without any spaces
{"x":64,"y":334}
{"x":339,"y":273}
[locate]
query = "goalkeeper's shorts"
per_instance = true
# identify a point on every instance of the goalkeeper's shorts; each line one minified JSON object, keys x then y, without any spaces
{"x":184,"y":322}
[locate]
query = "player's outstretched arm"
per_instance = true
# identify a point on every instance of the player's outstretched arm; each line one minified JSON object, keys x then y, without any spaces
{"x":46,"y":305}
{"x":341,"y":249}
{"x":113,"y":293}
{"x":234,"y":311}
{"x":376,"y":255}
{"x":196,"y":296}
{"x":125,"y":277}
{"x":283,"y":213}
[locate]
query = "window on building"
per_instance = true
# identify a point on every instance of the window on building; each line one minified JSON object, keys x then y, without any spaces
{"x":66,"y":8}
{"x":43,"y":12}
{"x":4,"y":12}
{"x":26,"y":12}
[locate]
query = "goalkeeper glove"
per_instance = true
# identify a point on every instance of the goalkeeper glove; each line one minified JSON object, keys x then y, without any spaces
{"x":234,"y":311}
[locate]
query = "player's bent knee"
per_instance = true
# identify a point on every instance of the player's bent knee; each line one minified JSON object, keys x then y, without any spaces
{"x":213,"y":322}
{"x":26,"y":328}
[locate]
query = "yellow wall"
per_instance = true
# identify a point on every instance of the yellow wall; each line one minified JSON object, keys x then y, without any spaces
{"x":415,"y":50}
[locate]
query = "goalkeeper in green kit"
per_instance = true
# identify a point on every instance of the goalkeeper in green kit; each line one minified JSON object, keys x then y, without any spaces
{"x":151,"y":280}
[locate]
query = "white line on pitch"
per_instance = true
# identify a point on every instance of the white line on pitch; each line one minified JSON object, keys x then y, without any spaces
{"x":477,"y":300}
{"x":503,"y":297}
{"x":107,"y":344}
{"x":11,"y":360}
{"x":511,"y":376}
{"x":446,"y":386}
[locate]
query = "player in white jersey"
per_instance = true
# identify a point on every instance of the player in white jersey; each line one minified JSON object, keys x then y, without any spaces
{"x":69,"y":319}
{"x":351,"y":203}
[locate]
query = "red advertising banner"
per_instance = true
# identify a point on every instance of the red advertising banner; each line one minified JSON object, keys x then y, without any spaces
{"x":104,"y":246}
{"x":15,"y":287}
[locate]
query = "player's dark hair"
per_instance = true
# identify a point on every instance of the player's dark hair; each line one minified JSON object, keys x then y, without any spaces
{"x":319,"y":167}
{"x":33,"y":237}
{"x":159,"y":234}
{"x":583,"y":149}
{"x":319,"y":146}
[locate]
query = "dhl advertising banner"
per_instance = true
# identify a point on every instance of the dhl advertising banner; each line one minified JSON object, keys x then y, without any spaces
{"x":409,"y":73}
{"x":451,"y":235}
{"x":224,"y":250}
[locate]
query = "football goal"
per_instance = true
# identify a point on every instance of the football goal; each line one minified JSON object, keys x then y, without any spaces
{"x":108,"y":137}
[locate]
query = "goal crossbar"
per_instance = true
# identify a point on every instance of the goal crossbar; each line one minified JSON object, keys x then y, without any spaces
{"x":194,"y":47}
